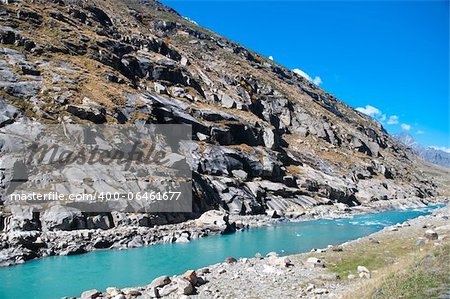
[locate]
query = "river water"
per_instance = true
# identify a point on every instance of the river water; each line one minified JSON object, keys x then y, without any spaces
{"x":55,"y":277}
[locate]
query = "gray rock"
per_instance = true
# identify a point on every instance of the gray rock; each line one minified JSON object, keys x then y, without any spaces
{"x":227,"y":101}
{"x":239,"y":174}
{"x":9,"y":113}
{"x":191,"y":276}
{"x":62,"y":218}
{"x":167,"y":290}
{"x":93,"y":114}
{"x":184,"y":287}
{"x":23,"y":219}
{"x":22,"y":89}
{"x":215,"y":220}
{"x":230,"y":260}
{"x":431,"y":235}
{"x":362,"y":269}
{"x":160,"y":281}
{"x":91,"y":294}
{"x":159,"y":88}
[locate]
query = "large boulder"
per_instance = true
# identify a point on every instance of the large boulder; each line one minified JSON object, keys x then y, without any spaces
{"x":215,"y":221}
{"x":62,"y":218}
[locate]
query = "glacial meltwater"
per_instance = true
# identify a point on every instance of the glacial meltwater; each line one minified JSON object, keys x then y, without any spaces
{"x":59,"y":276}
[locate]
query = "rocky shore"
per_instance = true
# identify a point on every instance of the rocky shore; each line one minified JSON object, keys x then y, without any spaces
{"x":310,"y":275}
{"x":19,"y":246}
{"x":56,"y":237}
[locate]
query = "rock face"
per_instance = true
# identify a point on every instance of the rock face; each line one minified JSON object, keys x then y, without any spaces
{"x":62,"y":218}
{"x":267,"y":141}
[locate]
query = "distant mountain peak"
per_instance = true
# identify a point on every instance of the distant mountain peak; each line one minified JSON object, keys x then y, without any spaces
{"x":433,"y":154}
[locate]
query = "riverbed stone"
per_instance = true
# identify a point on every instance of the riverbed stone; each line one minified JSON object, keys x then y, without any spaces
{"x":230,"y":260}
{"x":191,"y":276}
{"x":91,"y":294}
{"x":160,"y":281}
{"x":112,"y":291}
{"x":167,"y":290}
{"x":184,"y":287}
{"x":431,"y":235}
{"x":152,"y":292}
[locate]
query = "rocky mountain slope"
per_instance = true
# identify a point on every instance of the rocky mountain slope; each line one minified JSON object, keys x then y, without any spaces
{"x":266,"y":138}
{"x":429,"y":154}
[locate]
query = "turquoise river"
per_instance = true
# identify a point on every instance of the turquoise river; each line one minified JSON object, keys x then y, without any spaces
{"x":59,"y":276}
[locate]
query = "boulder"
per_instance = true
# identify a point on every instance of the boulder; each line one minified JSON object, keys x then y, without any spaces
{"x":160,"y":281}
{"x":230,"y":260}
{"x":113,"y":291}
{"x":62,"y":218}
{"x":91,"y":294}
{"x":131,"y":292}
{"x":184,"y":287}
{"x":167,"y":290}
{"x":190,"y":276}
{"x":216,"y":221}
{"x":240,"y":174}
{"x":431,"y":235}
{"x":227,"y":101}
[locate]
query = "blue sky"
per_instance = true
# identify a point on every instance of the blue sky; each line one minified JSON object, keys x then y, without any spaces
{"x":389,"y":59}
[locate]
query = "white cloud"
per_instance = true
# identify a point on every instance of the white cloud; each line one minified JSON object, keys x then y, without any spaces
{"x":393,"y":120}
{"x":406,"y":127}
{"x":369,"y":110}
{"x":190,"y":20}
{"x":271,"y":57}
{"x":441,"y":148}
{"x":302,"y":73}
{"x":420,"y":132}
{"x":316,"y":80}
